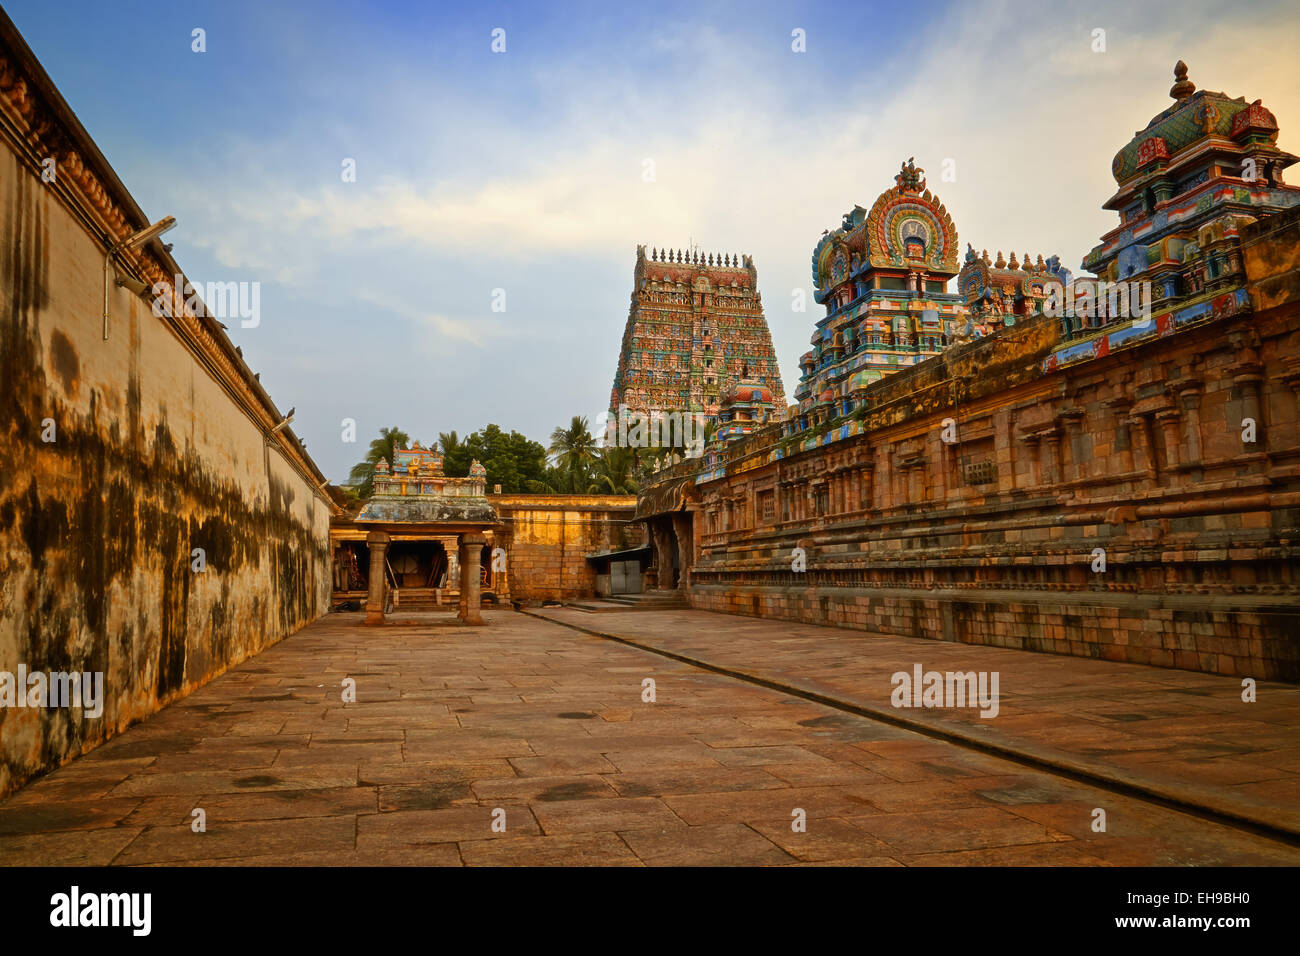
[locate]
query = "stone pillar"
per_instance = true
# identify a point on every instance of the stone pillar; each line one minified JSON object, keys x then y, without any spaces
{"x":940,"y":454}
{"x":1074,"y":463}
{"x":885,"y":477}
{"x":377,"y":543}
{"x":1123,"y":443}
{"x":1144,"y":451}
{"x":451,"y":548}
{"x":471,"y":557}
{"x":1168,"y":420}
{"x":1034,"y":473}
{"x":1052,"y":458}
{"x":1248,"y":383}
{"x":1191,"y":400}
{"x":682,"y":527}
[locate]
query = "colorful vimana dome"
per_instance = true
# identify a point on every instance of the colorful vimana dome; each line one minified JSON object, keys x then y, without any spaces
{"x":1195,"y":122}
{"x":1200,"y":170}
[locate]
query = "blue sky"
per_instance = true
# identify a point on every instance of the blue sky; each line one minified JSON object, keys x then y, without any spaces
{"x":523,"y":171}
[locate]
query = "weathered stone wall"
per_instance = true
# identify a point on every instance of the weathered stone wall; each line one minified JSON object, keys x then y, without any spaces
{"x":992,"y":538}
{"x":159,"y":446}
{"x":547,"y":539}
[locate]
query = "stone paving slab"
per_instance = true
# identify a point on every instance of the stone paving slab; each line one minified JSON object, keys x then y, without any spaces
{"x":1180,"y":735}
{"x":580,"y":770}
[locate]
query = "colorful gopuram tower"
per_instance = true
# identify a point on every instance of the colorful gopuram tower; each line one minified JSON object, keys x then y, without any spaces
{"x":883,"y":278}
{"x":694,"y":327}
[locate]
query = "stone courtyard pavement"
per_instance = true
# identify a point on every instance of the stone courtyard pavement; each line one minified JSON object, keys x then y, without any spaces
{"x":545,"y":726}
{"x":1177,"y":735}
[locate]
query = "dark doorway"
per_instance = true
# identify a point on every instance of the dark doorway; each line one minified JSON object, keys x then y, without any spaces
{"x":417,"y":564}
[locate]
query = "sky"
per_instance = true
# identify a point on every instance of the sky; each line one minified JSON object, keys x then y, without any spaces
{"x":524,"y":172}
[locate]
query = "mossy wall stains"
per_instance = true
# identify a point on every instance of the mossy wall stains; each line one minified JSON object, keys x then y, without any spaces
{"x":152,"y":458}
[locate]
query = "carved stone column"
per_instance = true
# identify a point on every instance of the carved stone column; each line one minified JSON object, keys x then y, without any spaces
{"x":1248,"y":381}
{"x":1144,"y":450}
{"x":682,"y":528}
{"x":1052,"y":458}
{"x":1189,"y":395}
{"x":1071,"y":420}
{"x":377,"y":543}
{"x":1168,"y":420}
{"x":1123,"y":432}
{"x":941,"y":454}
{"x":884,"y":477}
{"x":471,"y":557}
{"x":1034,"y":476}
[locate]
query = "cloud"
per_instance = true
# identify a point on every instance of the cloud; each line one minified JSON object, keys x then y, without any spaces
{"x":473,"y":331}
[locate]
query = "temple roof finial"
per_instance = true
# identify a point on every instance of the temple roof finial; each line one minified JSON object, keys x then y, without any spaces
{"x":1184,"y":87}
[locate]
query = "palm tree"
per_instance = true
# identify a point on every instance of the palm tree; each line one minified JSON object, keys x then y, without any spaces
{"x":614,"y":472}
{"x":573,"y":447}
{"x":448,"y":442}
{"x":385,"y":447}
{"x":556,"y":481}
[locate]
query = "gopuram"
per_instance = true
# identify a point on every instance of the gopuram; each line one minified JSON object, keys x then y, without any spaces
{"x":1085,"y":476}
{"x":421,"y":538}
{"x":695,"y":326}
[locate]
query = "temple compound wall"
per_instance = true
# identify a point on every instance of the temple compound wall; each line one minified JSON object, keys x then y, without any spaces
{"x":1122,"y":507}
{"x":547,"y":539}
{"x":154,"y":529}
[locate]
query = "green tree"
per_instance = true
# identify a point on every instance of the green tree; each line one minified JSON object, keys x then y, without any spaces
{"x":574,"y":450}
{"x":385,"y":447}
{"x":511,"y":460}
{"x":449,"y":443}
{"x":558,"y":481}
{"x":614,"y":472}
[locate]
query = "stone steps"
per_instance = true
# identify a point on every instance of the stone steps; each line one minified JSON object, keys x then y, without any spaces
{"x":424,"y":599}
{"x":652,"y":601}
